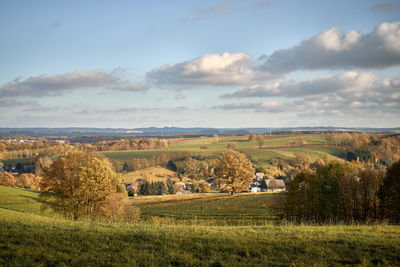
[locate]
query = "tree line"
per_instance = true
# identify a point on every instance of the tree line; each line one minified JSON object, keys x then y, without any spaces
{"x":125,"y":144}
{"x":345,"y":192}
{"x":378,"y":149}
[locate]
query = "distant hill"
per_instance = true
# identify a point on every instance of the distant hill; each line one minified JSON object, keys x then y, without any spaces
{"x":76,"y":131}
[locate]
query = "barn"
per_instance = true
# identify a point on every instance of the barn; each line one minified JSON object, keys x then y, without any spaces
{"x":275,"y":185}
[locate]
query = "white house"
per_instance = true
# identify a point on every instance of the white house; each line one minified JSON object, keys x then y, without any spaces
{"x":256,"y":186}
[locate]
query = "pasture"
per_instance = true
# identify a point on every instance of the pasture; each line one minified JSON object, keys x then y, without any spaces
{"x":28,"y":238}
{"x":212,"y":208}
{"x":273,"y":146}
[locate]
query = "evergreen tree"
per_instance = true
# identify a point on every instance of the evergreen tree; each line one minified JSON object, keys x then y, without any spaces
{"x":144,"y":188}
{"x":125,"y":168}
{"x":170,"y":186}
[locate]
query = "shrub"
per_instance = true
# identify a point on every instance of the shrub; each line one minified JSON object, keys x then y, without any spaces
{"x":115,"y":208}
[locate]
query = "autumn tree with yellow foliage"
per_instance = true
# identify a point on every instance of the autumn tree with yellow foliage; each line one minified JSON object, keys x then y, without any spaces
{"x":234,"y":172}
{"x":78,"y":183}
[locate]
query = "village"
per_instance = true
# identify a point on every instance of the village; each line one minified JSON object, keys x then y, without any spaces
{"x":259,"y":184}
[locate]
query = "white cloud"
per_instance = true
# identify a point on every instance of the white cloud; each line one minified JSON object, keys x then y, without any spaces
{"x":7,"y":103}
{"x":341,"y":83}
{"x":209,"y":69}
{"x":130,"y":87}
{"x":334,"y":49}
{"x":263,"y":106}
{"x":342,"y":94}
{"x":53,"y":85}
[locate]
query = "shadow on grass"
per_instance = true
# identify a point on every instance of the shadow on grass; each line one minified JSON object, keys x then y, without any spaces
{"x":33,"y":198}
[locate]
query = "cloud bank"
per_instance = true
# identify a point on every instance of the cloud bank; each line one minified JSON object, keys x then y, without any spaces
{"x":347,"y":93}
{"x":210,"y":69}
{"x":334,"y":49}
{"x":330,"y":50}
{"x":54,"y":85}
{"x":320,"y":85}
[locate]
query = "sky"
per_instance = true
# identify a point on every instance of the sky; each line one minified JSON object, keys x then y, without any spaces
{"x":209,"y":63}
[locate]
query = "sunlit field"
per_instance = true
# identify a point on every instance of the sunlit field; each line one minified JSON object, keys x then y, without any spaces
{"x":186,"y":230}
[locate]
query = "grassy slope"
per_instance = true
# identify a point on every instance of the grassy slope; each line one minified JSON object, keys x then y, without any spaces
{"x":259,"y":156}
{"x":212,"y":209}
{"x":151,"y":174}
{"x":22,"y":200}
{"x":29,"y":239}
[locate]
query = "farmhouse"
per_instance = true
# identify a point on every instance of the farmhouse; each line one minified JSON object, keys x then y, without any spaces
{"x":180,"y":186}
{"x":256,"y":186}
{"x":259,"y":176}
{"x":275,"y":185}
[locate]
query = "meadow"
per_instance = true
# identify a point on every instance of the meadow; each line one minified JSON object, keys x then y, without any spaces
{"x":28,"y":237}
{"x":212,"y":208}
{"x":273,"y":146}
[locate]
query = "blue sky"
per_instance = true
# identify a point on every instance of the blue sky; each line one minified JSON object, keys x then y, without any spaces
{"x":199,"y":63}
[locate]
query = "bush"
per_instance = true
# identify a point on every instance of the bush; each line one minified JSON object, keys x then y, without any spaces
{"x":7,"y":179}
{"x":115,"y":208}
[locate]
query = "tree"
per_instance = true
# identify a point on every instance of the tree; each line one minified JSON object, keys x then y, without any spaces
{"x":170,"y":186}
{"x":234,"y":172}
{"x":7,"y":179}
{"x":42,"y":163}
{"x":144,"y":188}
{"x":115,"y":208}
{"x":339,"y":191}
{"x":125,"y":168}
{"x":301,"y":161}
{"x":161,"y":189}
{"x":389,"y":193}
{"x":28,"y":180}
{"x":252,"y":137}
{"x":204,"y":187}
{"x":192,"y":167}
{"x":260,"y":141}
{"x":76,"y":184}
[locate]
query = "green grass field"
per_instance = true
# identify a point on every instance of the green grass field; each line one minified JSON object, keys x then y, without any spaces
{"x":212,"y":208}
{"x":28,"y":238}
{"x":274,"y":146}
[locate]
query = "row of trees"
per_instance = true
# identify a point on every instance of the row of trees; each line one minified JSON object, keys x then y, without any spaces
{"x":369,"y":148}
{"x":345,"y":192}
{"x":199,"y":169}
{"x":25,"y":180}
{"x":125,"y":144}
{"x":34,"y":145}
{"x":153,"y":188}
